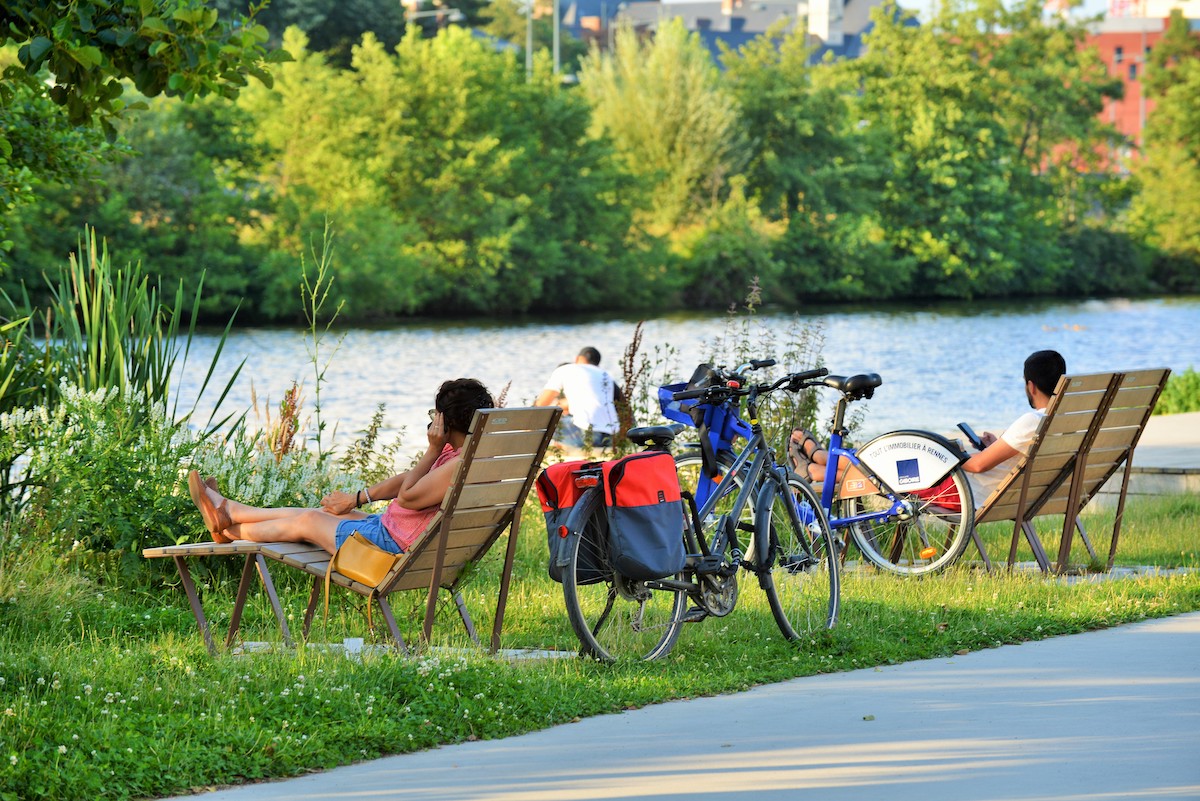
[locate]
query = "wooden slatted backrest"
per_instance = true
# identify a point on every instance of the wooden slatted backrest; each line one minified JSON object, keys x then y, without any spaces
{"x":1121,"y":426}
{"x":1041,"y":480}
{"x":499,"y":463}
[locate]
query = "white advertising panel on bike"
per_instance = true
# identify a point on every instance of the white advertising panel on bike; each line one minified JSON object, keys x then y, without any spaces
{"x":908,"y":461}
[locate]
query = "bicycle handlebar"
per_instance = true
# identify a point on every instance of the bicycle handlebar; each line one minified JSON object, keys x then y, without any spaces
{"x":794,"y":382}
{"x":688,"y":394}
{"x":754,"y":364}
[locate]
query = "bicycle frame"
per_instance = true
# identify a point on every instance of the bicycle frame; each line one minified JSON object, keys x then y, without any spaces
{"x":721,"y":425}
{"x":899,"y":508}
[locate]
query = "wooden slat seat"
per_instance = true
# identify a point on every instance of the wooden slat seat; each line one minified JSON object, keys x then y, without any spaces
{"x":500,"y":460}
{"x":1092,"y":425}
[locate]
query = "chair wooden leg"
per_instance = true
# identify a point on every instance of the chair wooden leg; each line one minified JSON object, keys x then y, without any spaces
{"x":311,"y":610}
{"x":235,"y":620}
{"x":386,"y":609}
{"x":975,"y":538}
{"x":197,"y":611}
{"x":1018,"y":527}
{"x":269,"y":587}
{"x":1035,"y":544}
{"x":1116,"y":532}
{"x":1083,"y":535}
{"x":510,"y":554}
{"x":465,"y":615}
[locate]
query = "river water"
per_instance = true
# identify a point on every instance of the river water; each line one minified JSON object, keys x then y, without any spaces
{"x":940,"y":363}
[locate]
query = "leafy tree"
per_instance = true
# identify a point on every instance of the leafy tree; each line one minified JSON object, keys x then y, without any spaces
{"x":181,"y":48}
{"x":508,"y":202}
{"x":333,"y":27}
{"x":662,"y":103}
{"x":731,"y":249}
{"x":813,"y":166}
{"x":1167,"y":209}
{"x":78,"y":54}
{"x":179,"y":204}
{"x":980,"y":166}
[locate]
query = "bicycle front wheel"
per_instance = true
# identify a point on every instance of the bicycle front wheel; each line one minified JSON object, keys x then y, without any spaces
{"x":797,"y":547}
{"x":933,"y":538}
{"x":613,"y":616}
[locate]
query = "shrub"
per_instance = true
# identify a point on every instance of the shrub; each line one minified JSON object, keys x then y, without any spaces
{"x":1182,"y":394}
{"x":103,"y":473}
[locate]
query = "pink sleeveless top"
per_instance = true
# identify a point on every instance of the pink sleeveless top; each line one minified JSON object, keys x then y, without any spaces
{"x":405,"y":525}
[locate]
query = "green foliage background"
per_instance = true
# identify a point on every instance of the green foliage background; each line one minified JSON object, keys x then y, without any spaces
{"x":947,"y":161}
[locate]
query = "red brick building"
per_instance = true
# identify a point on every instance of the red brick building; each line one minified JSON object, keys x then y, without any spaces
{"x":1125,"y":43}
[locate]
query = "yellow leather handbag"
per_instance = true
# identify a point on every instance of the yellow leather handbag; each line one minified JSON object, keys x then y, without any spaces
{"x":360,"y":559}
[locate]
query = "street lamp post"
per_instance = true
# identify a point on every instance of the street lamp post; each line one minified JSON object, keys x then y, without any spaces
{"x":529,"y":41}
{"x":557,"y":61}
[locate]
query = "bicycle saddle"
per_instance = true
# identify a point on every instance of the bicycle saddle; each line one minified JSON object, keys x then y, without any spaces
{"x":856,"y":387}
{"x":656,"y":435}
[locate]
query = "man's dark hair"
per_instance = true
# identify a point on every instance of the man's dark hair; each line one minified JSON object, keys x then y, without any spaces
{"x":457,"y":400}
{"x":591,"y":354}
{"x":1044,"y":368}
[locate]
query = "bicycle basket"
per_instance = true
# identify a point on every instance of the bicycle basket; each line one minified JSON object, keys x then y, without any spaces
{"x":679,"y":411}
{"x":685,"y":411}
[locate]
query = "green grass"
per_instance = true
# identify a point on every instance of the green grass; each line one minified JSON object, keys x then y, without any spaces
{"x":106,"y":691}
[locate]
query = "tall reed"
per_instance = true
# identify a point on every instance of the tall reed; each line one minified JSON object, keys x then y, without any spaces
{"x":105,"y":328}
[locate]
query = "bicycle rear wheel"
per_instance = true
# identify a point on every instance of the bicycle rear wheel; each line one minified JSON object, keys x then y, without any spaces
{"x":614,"y":617}
{"x":801,"y":582}
{"x":931,"y":540}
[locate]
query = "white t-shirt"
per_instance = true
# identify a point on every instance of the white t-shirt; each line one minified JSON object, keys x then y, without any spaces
{"x":1020,"y":436}
{"x":589,"y":392}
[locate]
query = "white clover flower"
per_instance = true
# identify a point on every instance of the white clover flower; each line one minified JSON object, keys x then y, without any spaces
{"x":62,"y":749}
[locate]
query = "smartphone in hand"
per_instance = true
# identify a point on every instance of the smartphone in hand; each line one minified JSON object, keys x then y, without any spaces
{"x":971,"y":436}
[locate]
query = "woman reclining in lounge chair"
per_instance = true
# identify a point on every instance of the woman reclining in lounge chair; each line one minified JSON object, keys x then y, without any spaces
{"x":415,"y":494}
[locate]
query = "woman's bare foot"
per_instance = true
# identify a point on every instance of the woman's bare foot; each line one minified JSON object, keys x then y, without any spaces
{"x":216,"y":517}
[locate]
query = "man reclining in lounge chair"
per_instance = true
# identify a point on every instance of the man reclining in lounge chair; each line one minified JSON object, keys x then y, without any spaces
{"x":987,"y":468}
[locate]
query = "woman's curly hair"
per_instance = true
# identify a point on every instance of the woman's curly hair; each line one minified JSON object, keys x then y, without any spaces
{"x":458,"y":399}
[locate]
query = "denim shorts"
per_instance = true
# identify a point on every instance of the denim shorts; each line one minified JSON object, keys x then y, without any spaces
{"x":573,"y":436}
{"x":370,"y":527}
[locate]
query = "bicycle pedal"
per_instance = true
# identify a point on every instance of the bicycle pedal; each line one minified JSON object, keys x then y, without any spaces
{"x":694,"y":615}
{"x":710,"y":564}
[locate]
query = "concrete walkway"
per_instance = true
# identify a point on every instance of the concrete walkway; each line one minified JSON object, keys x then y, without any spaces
{"x":1107,"y":715}
{"x":1170,"y":440}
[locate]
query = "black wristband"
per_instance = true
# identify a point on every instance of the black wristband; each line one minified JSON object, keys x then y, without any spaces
{"x":357,"y":502}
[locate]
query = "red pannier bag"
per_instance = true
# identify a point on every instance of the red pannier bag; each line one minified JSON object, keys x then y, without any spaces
{"x":558,"y":494}
{"x":645,"y":515}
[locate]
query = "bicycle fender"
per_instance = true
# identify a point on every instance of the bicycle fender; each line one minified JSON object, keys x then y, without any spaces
{"x":590,"y":502}
{"x":911,"y":460}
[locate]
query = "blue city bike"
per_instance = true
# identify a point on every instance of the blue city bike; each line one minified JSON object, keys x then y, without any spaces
{"x":902,"y":499}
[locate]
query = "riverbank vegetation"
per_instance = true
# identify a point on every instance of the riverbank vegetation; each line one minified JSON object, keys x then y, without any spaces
{"x":945,"y":162}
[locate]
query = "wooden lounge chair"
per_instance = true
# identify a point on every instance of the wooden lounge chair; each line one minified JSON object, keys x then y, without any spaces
{"x":500,"y":460}
{"x":1092,"y":425}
